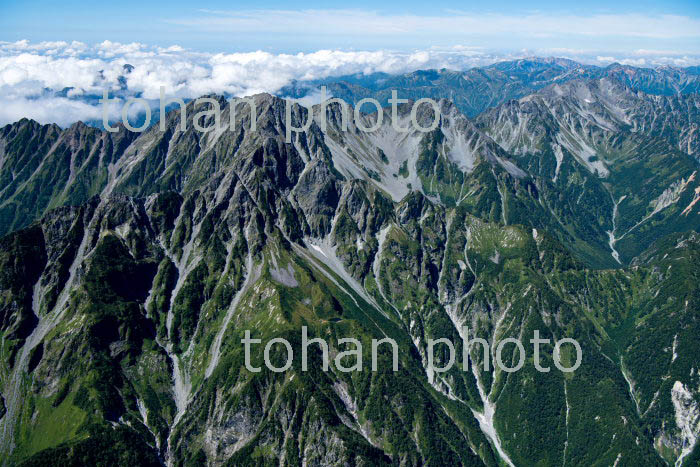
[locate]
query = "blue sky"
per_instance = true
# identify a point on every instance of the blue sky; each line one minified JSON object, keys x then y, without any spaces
{"x":275,"y":26}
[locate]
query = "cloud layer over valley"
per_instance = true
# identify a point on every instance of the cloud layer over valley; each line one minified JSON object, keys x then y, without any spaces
{"x":61,"y":82}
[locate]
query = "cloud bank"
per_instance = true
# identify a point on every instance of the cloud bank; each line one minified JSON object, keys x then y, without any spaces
{"x":60,"y":82}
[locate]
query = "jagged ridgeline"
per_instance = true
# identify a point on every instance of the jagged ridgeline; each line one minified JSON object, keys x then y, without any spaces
{"x":133,"y":264}
{"x":480,"y":88}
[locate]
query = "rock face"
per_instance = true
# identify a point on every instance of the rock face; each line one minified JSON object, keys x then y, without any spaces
{"x":122,"y":316}
{"x":687,"y":418}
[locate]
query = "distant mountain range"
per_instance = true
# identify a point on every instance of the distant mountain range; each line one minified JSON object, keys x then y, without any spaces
{"x":552,"y":196}
{"x":481,"y":88}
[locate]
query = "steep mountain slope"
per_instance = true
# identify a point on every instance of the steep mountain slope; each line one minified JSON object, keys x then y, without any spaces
{"x":122,"y":318}
{"x":639,"y":151}
{"x":43,"y":167}
{"x":456,"y":164}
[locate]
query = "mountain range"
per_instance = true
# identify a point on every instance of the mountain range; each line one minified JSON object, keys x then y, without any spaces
{"x":480,"y":88}
{"x":552,"y":196}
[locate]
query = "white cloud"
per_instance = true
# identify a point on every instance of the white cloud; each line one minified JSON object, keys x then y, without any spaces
{"x":61,"y":81}
{"x":49,"y":110}
{"x":33,"y":76}
{"x":321,"y":22}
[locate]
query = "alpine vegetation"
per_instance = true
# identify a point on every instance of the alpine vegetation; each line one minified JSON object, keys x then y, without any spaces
{"x":356,"y":352}
{"x":411,"y":284}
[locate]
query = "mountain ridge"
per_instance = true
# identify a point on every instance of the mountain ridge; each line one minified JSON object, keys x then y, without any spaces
{"x":123,"y":314}
{"x":480,"y":88}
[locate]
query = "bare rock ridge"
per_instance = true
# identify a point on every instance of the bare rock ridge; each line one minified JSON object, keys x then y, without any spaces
{"x":133,"y":264}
